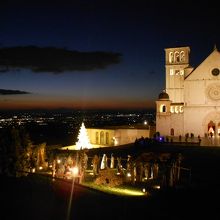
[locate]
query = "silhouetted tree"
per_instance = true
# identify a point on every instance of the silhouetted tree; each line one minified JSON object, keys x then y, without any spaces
{"x":16,"y":149}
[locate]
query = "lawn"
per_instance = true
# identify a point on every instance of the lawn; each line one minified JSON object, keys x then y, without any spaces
{"x":37,"y":198}
{"x":120,"y":190}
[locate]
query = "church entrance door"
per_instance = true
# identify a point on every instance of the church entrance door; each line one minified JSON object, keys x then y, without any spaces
{"x":218,"y":130}
{"x":211,"y":128}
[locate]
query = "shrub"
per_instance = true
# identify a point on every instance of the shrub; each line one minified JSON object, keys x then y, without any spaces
{"x":108,"y":177}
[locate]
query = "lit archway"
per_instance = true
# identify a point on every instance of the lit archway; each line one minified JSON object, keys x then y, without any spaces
{"x":218,"y":129}
{"x":172,"y":131}
{"x":213,"y":116}
{"x":107,"y":137}
{"x":211,"y":128}
{"x":102,"y":137}
{"x":97,"y":137}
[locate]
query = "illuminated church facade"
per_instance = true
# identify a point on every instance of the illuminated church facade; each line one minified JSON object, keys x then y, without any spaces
{"x":190,"y":103}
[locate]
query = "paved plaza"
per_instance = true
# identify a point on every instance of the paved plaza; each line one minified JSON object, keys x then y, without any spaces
{"x":205,"y":141}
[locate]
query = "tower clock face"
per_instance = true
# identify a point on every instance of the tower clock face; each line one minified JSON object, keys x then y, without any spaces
{"x":215,"y":72}
{"x":213,"y":92}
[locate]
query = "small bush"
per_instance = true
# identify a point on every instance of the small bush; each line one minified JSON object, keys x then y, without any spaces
{"x":108,"y":177}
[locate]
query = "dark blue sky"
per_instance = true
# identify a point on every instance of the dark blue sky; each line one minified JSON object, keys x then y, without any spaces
{"x":138,"y":30}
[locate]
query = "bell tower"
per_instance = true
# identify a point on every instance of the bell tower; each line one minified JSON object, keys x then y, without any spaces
{"x":177,"y":60}
{"x":163,"y":113}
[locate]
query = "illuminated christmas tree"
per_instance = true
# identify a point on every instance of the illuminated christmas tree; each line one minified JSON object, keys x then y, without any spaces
{"x":83,"y":139}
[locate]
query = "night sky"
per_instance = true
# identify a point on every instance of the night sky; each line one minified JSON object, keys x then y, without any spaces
{"x":95,"y":53}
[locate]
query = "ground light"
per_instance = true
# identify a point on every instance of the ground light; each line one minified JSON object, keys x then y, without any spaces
{"x":75,"y":172}
{"x":117,"y":190}
{"x":130,"y":192}
{"x":70,"y":199}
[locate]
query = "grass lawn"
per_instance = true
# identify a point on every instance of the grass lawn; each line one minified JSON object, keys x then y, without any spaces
{"x":28,"y":198}
{"x":120,"y":190}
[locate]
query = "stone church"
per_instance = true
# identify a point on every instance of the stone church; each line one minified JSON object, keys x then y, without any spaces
{"x":190,"y":103}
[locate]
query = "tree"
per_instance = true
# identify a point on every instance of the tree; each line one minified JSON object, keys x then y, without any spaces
{"x":41,"y":155}
{"x":83,"y":139}
{"x":16,"y":150}
{"x":83,"y":160}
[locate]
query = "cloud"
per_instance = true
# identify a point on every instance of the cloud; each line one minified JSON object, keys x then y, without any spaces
{"x":54,"y":60}
{"x":12,"y":92}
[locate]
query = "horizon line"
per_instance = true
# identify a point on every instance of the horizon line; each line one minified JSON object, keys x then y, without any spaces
{"x":78,"y":109}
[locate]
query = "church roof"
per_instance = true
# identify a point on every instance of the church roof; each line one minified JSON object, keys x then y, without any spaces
{"x":163,"y":95}
{"x":207,"y":60}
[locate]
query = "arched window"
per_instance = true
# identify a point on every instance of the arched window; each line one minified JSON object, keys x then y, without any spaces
{"x":172,"y":132}
{"x":107,"y":138}
{"x":181,"y":109}
{"x":170,"y":57}
{"x":176,"y":109}
{"x":177,"y":57}
{"x":182,"y":56}
{"x":172,"y":109}
{"x":177,"y":72}
{"x":171,"y":72}
{"x":97,"y":137}
{"x":163,"y":108}
{"x":102,"y":137}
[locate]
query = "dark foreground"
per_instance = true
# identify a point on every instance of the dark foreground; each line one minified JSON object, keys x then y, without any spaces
{"x":39,"y":198}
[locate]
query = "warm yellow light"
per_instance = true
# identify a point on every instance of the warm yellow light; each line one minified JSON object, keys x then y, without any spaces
{"x":75,"y":171}
{"x":83,"y":139}
{"x":181,"y":109}
{"x":119,"y":191}
{"x":128,"y":174}
{"x":115,"y":141}
{"x":58,"y":161}
{"x":131,"y":192}
{"x":40,"y":168}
